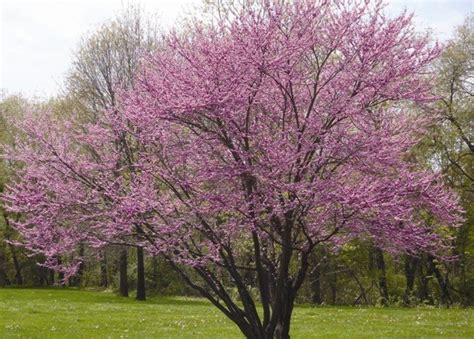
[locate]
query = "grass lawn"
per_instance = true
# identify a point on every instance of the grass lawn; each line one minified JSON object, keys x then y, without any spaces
{"x":61,"y":313}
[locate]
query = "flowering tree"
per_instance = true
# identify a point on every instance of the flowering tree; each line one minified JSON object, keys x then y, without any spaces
{"x":272,"y":129}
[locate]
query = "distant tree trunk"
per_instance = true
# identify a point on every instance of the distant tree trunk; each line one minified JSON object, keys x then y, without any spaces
{"x":333,"y":282}
{"x":377,"y":261}
{"x":316,"y":296}
{"x":60,"y":274}
{"x":16,"y":263}
{"x":80,"y":272}
{"x":315,"y":278}
{"x":141,"y":294}
{"x":77,"y":280}
{"x":42,"y":276}
{"x":104,"y":279}
{"x":382,"y":275}
{"x":411,"y":264}
{"x":442,"y":282}
{"x":363,"y":293}
{"x":464,"y":284}
{"x":123,"y":272}
{"x":462,"y":242}
{"x":51,"y":277}
{"x":3,"y":278}
{"x":154,"y":264}
{"x":3,"y":266}
{"x":424,"y":291}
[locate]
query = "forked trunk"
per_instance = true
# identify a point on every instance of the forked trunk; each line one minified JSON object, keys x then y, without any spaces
{"x":282,"y":328}
{"x":277,"y":326}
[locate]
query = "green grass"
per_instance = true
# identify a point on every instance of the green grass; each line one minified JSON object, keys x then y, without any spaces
{"x":66,"y":313}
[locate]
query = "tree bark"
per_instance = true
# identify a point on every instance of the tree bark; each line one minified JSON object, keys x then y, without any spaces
{"x":333,"y":282}
{"x":442,"y":282}
{"x":60,"y":274}
{"x":3,"y":266}
{"x":104,"y":280}
{"x":42,"y":276}
{"x":315,"y":276}
{"x":411,"y":264}
{"x":77,"y":279}
{"x":424,"y":292}
{"x":123,"y":272}
{"x":282,"y":328}
{"x":16,"y":263}
{"x":381,"y":275}
{"x":51,"y":277}
{"x":141,"y":293}
{"x":154,"y":263}
{"x":316,"y":296}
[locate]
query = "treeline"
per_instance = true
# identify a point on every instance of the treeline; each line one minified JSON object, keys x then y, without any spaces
{"x":105,"y":63}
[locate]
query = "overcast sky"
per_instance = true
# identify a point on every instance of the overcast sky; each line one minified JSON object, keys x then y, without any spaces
{"x":37,"y":37}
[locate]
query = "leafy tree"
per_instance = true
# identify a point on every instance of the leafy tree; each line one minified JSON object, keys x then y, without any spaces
{"x":15,"y":266}
{"x":104,"y":64}
{"x":450,"y":147}
{"x":107,"y":59}
{"x":10,"y":106}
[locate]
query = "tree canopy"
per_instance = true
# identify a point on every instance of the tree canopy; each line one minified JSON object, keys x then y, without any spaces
{"x":273,"y":128}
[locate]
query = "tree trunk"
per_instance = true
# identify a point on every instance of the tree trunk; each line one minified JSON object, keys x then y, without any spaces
{"x":278,"y":288}
{"x":42,"y":276}
{"x":362,"y":294}
{"x":77,"y":279}
{"x":381,"y":275}
{"x":104,"y":280}
{"x":424,"y":292}
{"x":333,"y":282}
{"x":51,"y":277}
{"x":442,"y":282}
{"x":316,"y":297}
{"x":123,"y":273}
{"x":280,"y":302}
{"x":80,"y":272}
{"x":154,"y":263}
{"x":3,"y":266}
{"x":141,"y":294}
{"x":282,"y":329}
{"x":16,"y":264}
{"x":60,"y":274}
{"x":315,"y":276}
{"x":411,"y":264}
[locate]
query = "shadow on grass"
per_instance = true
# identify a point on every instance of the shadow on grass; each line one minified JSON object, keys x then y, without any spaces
{"x":71,"y":294}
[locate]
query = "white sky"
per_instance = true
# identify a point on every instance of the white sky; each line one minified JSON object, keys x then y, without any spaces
{"x":37,"y":37}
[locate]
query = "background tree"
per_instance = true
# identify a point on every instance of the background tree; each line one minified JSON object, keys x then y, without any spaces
{"x":10,"y":106}
{"x":104,"y":64}
{"x":16,"y":267}
{"x":450,"y":147}
{"x":108,"y":58}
